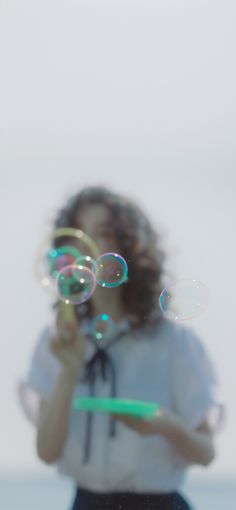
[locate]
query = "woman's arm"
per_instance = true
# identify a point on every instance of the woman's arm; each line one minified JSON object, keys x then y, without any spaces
{"x":54,"y":418}
{"x":68,"y":347}
{"x":196,"y":446}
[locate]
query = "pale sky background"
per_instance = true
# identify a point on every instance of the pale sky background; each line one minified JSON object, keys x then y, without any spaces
{"x":138,"y":95}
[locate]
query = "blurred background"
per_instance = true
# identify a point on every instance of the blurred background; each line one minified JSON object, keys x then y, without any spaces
{"x":137,"y":95}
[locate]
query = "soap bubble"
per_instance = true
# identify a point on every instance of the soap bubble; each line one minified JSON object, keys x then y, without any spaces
{"x":75,"y":284}
{"x":111,"y":270}
{"x":60,"y":257}
{"x":183,"y":300}
{"x":102,"y":326}
{"x":86,"y":261}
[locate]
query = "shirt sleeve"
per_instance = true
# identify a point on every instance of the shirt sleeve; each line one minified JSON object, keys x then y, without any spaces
{"x":40,"y":378}
{"x":195,"y":383}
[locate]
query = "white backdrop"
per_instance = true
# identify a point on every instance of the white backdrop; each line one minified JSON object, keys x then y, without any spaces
{"x":137,"y":95}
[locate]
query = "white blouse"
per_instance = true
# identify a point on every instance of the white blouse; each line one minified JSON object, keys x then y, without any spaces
{"x":166,"y":364}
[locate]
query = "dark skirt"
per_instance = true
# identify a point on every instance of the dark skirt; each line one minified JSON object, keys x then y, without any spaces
{"x":85,"y":500}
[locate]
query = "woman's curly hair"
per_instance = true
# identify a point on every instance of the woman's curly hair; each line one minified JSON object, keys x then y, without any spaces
{"x":138,"y":244}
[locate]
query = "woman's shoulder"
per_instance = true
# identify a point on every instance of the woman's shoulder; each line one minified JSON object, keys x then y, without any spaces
{"x":40,"y":377}
{"x":184,"y":340}
{"x":44,"y":336}
{"x":188,"y":351}
{"x":41,"y":352}
{"x":168,"y":330}
{"x":180,"y":339}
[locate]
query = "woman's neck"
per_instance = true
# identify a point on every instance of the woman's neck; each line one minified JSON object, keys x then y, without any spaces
{"x":108,"y":301}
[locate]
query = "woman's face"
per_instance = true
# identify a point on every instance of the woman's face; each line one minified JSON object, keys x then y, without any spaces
{"x":95,"y":222}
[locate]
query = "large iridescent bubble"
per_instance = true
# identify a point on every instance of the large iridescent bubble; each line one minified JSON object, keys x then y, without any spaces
{"x":183,"y":300}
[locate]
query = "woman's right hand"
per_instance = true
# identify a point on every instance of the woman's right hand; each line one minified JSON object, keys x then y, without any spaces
{"x":68,"y":344}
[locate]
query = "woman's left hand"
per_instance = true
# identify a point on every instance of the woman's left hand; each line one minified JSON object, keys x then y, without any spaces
{"x":163,"y":420}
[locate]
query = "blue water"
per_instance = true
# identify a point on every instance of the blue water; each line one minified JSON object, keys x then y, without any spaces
{"x":37,"y":493}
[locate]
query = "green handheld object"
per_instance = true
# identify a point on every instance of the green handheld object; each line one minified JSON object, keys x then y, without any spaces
{"x":136,"y":408}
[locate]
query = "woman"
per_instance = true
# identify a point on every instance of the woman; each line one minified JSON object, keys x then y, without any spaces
{"x":119,"y":462}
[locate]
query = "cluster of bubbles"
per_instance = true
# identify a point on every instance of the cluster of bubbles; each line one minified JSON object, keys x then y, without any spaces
{"x":70,"y":265}
{"x":77,"y":282}
{"x":63,"y":267}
